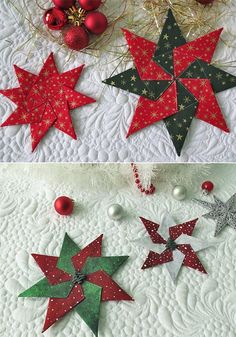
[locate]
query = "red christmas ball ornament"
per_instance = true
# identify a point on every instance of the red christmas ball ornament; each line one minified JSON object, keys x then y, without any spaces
{"x":55,"y":18}
{"x":76,"y":38}
{"x":64,"y":205}
{"x":96,"y":22}
{"x":64,"y":4}
{"x":207,"y":187}
{"x":205,"y":2}
{"x":89,"y":5}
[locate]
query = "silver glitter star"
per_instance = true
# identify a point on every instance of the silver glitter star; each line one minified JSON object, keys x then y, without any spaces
{"x":223,"y":213}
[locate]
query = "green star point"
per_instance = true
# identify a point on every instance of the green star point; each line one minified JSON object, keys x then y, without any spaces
{"x":89,"y":308}
{"x":69,"y":249}
{"x":44,"y":289}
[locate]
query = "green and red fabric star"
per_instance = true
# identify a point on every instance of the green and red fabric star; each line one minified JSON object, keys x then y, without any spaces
{"x":175,"y":80}
{"x":45,"y":100}
{"x":78,"y":280}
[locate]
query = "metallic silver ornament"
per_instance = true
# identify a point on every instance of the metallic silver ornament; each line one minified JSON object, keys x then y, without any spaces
{"x":179,"y":192}
{"x":115,"y":212}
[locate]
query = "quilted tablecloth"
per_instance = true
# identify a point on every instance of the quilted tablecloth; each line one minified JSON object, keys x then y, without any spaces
{"x":102,"y":127}
{"x":198,"y":306}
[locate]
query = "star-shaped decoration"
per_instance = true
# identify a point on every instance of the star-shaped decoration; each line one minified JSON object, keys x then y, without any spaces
{"x":175,"y":80}
{"x":45,"y":100}
{"x":224,"y":213}
{"x":77,"y":280}
{"x":172,"y":245}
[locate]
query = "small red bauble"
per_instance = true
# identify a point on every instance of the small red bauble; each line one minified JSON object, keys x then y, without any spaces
{"x":89,"y":5}
{"x":55,"y":18}
{"x":207,"y":187}
{"x":64,"y":205}
{"x":76,"y":38}
{"x":205,"y":2}
{"x":64,"y":4}
{"x":96,"y":22}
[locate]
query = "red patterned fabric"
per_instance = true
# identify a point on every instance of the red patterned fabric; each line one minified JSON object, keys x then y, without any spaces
{"x":45,"y":100}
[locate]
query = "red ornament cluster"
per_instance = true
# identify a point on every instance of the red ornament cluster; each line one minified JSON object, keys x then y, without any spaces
{"x":77,"y":20}
{"x":149,"y":190}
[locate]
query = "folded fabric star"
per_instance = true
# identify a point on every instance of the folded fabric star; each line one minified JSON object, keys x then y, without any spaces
{"x":45,"y":100}
{"x":175,"y":80}
{"x":79,"y":280}
{"x":172,"y":245}
{"x":224,"y":213}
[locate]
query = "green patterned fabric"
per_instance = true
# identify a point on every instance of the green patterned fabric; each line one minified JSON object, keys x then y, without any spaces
{"x":109,"y":264}
{"x":130,"y":81}
{"x":44,"y":289}
{"x":166,"y":61}
{"x":178,"y":124}
{"x":69,"y":249}
{"x":171,"y":36}
{"x":89,"y":309}
{"x":220,"y":79}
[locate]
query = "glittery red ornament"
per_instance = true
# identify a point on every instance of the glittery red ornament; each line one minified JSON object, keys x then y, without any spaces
{"x":64,"y":4}
{"x":96,"y":22}
{"x":89,"y":5}
{"x":55,"y":18}
{"x":205,"y":2}
{"x":64,"y":205}
{"x":207,"y":187}
{"x":76,"y":38}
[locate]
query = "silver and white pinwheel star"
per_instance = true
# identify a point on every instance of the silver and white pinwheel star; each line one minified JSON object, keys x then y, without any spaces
{"x":172,"y":245}
{"x":224,"y":213}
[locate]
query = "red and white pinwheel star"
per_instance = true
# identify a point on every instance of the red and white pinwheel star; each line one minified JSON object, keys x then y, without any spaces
{"x":172,"y":245}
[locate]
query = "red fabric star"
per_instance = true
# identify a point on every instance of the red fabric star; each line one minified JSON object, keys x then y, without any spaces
{"x":45,"y":100}
{"x":191,"y":259}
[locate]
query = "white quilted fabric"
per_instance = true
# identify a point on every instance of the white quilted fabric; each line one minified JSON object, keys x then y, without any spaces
{"x":199,"y":306}
{"x":102,"y":127}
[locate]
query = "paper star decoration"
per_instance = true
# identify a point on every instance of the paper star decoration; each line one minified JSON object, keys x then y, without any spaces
{"x":172,"y":245}
{"x":45,"y":100}
{"x":175,"y":80}
{"x":77,"y":280}
{"x":224,"y":213}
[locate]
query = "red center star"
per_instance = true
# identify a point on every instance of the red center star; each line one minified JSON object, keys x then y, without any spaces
{"x":45,"y":100}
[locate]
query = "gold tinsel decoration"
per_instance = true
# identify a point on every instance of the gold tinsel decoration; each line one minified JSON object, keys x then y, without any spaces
{"x":144,"y":17}
{"x":193,"y":17}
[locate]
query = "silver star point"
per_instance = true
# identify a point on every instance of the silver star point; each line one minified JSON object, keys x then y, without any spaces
{"x":224,"y":213}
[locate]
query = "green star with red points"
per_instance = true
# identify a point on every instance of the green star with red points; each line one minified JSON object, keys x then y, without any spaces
{"x":77,"y":280}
